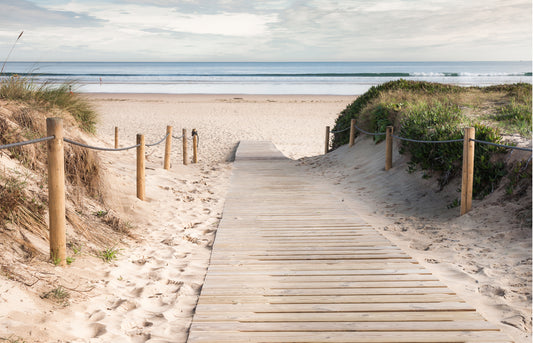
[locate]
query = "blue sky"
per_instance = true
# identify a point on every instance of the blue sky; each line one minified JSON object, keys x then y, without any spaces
{"x":272,"y":30}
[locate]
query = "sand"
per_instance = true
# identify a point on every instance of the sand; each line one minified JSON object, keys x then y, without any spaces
{"x":149,"y":292}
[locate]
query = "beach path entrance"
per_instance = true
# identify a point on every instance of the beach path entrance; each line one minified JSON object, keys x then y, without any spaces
{"x":291,"y":263}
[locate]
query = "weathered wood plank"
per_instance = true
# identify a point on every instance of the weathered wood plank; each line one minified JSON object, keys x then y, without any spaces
{"x":320,"y":308}
{"x":440,"y":326}
{"x":328,"y":299}
{"x":349,"y":337}
{"x":336,"y":316}
{"x":207,"y":291}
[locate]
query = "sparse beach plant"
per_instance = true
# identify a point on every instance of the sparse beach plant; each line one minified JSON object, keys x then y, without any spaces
{"x":455,"y":203}
{"x":55,"y":260}
{"x":76,"y":248}
{"x":10,"y":51}
{"x":109,"y":254}
{"x":58,"y":294}
{"x":100,"y":213}
{"x":516,"y":116}
{"x":12,"y":339}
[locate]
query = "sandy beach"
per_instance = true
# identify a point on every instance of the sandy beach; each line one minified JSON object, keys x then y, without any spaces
{"x":148,"y":294}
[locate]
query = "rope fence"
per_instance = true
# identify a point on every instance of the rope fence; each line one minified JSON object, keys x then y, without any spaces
{"x":468,"y":153}
{"x":98,"y":148}
{"x":158,"y":142}
{"x":339,"y":131}
{"x":427,"y":142}
{"x":33,"y":141}
{"x":501,"y":145}
{"x":56,"y":173}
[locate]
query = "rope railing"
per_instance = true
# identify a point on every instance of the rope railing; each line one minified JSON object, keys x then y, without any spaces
{"x":339,"y":131}
{"x":468,"y":154}
{"x":433,"y":142}
{"x":33,"y":141}
{"x":370,"y":133}
{"x":99,"y":148}
{"x":501,"y":145}
{"x":427,"y":142}
{"x":56,"y":174}
{"x":159,"y":142}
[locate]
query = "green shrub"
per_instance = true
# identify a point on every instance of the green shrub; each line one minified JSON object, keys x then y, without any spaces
{"x":434,"y":112}
{"x":353,"y":110}
{"x":433,"y":122}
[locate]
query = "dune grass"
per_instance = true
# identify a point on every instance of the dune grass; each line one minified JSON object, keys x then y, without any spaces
{"x":47,"y":96}
{"x":431,"y":111}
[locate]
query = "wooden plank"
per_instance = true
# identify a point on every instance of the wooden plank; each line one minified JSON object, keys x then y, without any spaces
{"x":288,"y":317}
{"x":318,"y":266}
{"x":341,"y":337}
{"x":328,"y":299}
{"x":437,"y":326}
{"x":230,"y":270}
{"x":319,"y":278}
{"x":309,"y":261}
{"x":332,"y":284}
{"x":319,"y":308}
{"x":207,"y":291}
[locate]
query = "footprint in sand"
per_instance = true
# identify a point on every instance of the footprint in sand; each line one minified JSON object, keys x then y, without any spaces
{"x":98,"y":329}
{"x":208,"y":231}
{"x":123,"y":305}
{"x":97,"y":316}
{"x":137,"y":292}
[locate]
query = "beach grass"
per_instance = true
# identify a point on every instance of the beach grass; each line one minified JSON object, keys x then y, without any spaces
{"x":47,"y":96}
{"x":434,"y":112}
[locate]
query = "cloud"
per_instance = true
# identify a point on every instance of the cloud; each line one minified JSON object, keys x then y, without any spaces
{"x":25,"y":14}
{"x":146,"y":17}
{"x":270,"y":30}
{"x":396,"y":29}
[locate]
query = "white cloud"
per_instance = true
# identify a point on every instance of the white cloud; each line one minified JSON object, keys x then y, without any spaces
{"x":150,"y":17}
{"x":268,"y":30}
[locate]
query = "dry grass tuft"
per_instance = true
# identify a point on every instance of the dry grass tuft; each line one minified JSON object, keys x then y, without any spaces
{"x":82,"y":170}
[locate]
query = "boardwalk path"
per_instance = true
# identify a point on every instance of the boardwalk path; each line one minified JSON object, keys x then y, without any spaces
{"x":290,"y":263}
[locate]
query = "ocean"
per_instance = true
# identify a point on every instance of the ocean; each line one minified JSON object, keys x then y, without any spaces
{"x":335,"y":78}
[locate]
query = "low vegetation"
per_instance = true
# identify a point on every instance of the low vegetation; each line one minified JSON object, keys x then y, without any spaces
{"x":432,"y":111}
{"x":59,"y":295}
{"x":109,"y":254}
{"x":48,"y":96}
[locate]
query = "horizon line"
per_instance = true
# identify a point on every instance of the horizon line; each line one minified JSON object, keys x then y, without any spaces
{"x":383,"y":61}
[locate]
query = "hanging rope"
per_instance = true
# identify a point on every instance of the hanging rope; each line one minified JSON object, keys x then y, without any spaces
{"x":33,"y":141}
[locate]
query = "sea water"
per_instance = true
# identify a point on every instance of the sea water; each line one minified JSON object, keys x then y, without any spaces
{"x":339,"y":78}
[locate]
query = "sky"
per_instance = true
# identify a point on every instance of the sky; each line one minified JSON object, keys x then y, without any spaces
{"x":271,"y":30}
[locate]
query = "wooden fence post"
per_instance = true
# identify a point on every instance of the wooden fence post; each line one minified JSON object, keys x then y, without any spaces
{"x":468,"y":170}
{"x":140,"y":167}
{"x":352,"y":132}
{"x":388,"y":148}
{"x":185,"y":162}
{"x":56,"y":191}
{"x":168,"y":145}
{"x":194,"y":146}
{"x":116,"y":137}
{"x":326,"y":148}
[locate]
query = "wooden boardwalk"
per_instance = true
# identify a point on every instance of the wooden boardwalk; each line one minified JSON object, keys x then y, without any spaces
{"x":290,"y":263}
